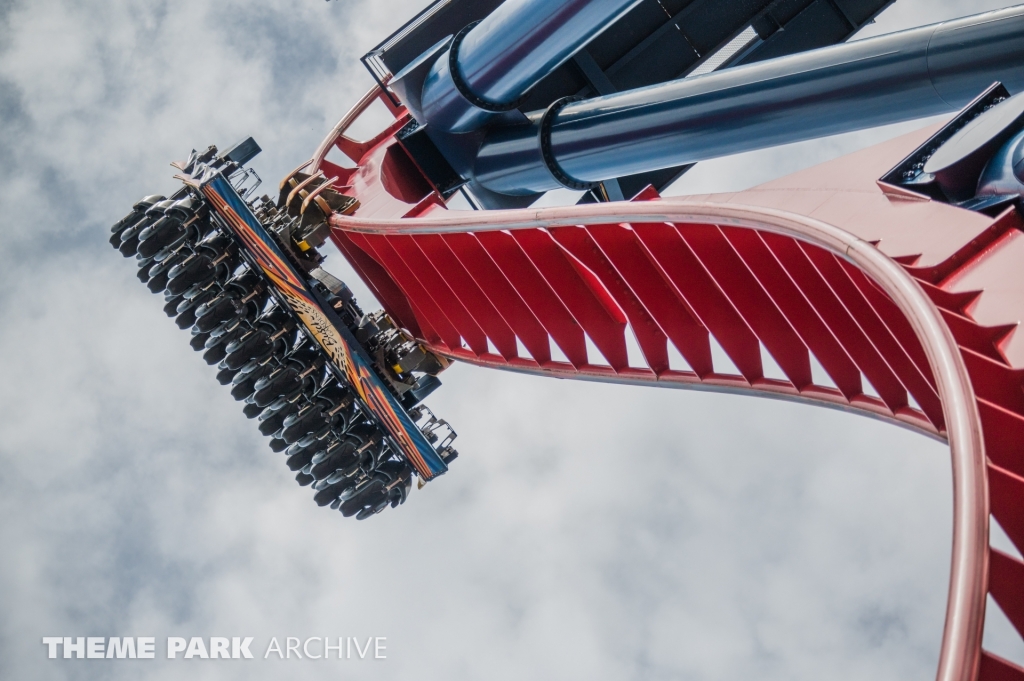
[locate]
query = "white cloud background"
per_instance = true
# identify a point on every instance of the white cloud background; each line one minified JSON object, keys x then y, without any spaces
{"x":587,"y":531}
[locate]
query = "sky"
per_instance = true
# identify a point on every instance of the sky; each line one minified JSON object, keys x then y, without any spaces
{"x":586,"y":531}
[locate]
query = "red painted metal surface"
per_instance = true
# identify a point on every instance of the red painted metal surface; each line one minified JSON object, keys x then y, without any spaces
{"x":908,"y":306}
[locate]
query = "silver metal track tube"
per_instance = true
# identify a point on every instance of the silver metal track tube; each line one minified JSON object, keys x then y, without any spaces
{"x":911,"y":74}
{"x":492,"y":65}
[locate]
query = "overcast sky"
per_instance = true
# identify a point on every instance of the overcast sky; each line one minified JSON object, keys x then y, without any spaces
{"x":586,"y":531}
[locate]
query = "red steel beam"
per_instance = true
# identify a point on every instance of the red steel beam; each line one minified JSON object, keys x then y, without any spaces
{"x":853,"y":291}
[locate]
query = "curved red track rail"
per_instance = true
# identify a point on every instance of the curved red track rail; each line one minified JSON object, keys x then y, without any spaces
{"x":908,"y":306}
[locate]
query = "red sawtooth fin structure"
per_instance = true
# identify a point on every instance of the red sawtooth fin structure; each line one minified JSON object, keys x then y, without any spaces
{"x":908,"y":307}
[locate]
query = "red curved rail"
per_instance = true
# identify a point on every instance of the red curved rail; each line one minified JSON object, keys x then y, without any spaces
{"x":908,"y":305}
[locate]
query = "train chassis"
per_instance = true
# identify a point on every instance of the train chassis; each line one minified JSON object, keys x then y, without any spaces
{"x":358,"y":438}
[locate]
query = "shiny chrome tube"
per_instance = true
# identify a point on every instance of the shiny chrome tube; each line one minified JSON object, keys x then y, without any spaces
{"x":490,"y":66}
{"x":911,"y":74}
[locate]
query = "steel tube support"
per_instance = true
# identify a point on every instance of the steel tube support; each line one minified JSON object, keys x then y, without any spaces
{"x":492,"y":65}
{"x":902,"y":76}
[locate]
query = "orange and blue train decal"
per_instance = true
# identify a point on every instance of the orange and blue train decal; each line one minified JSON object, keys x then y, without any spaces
{"x":348,"y":357}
